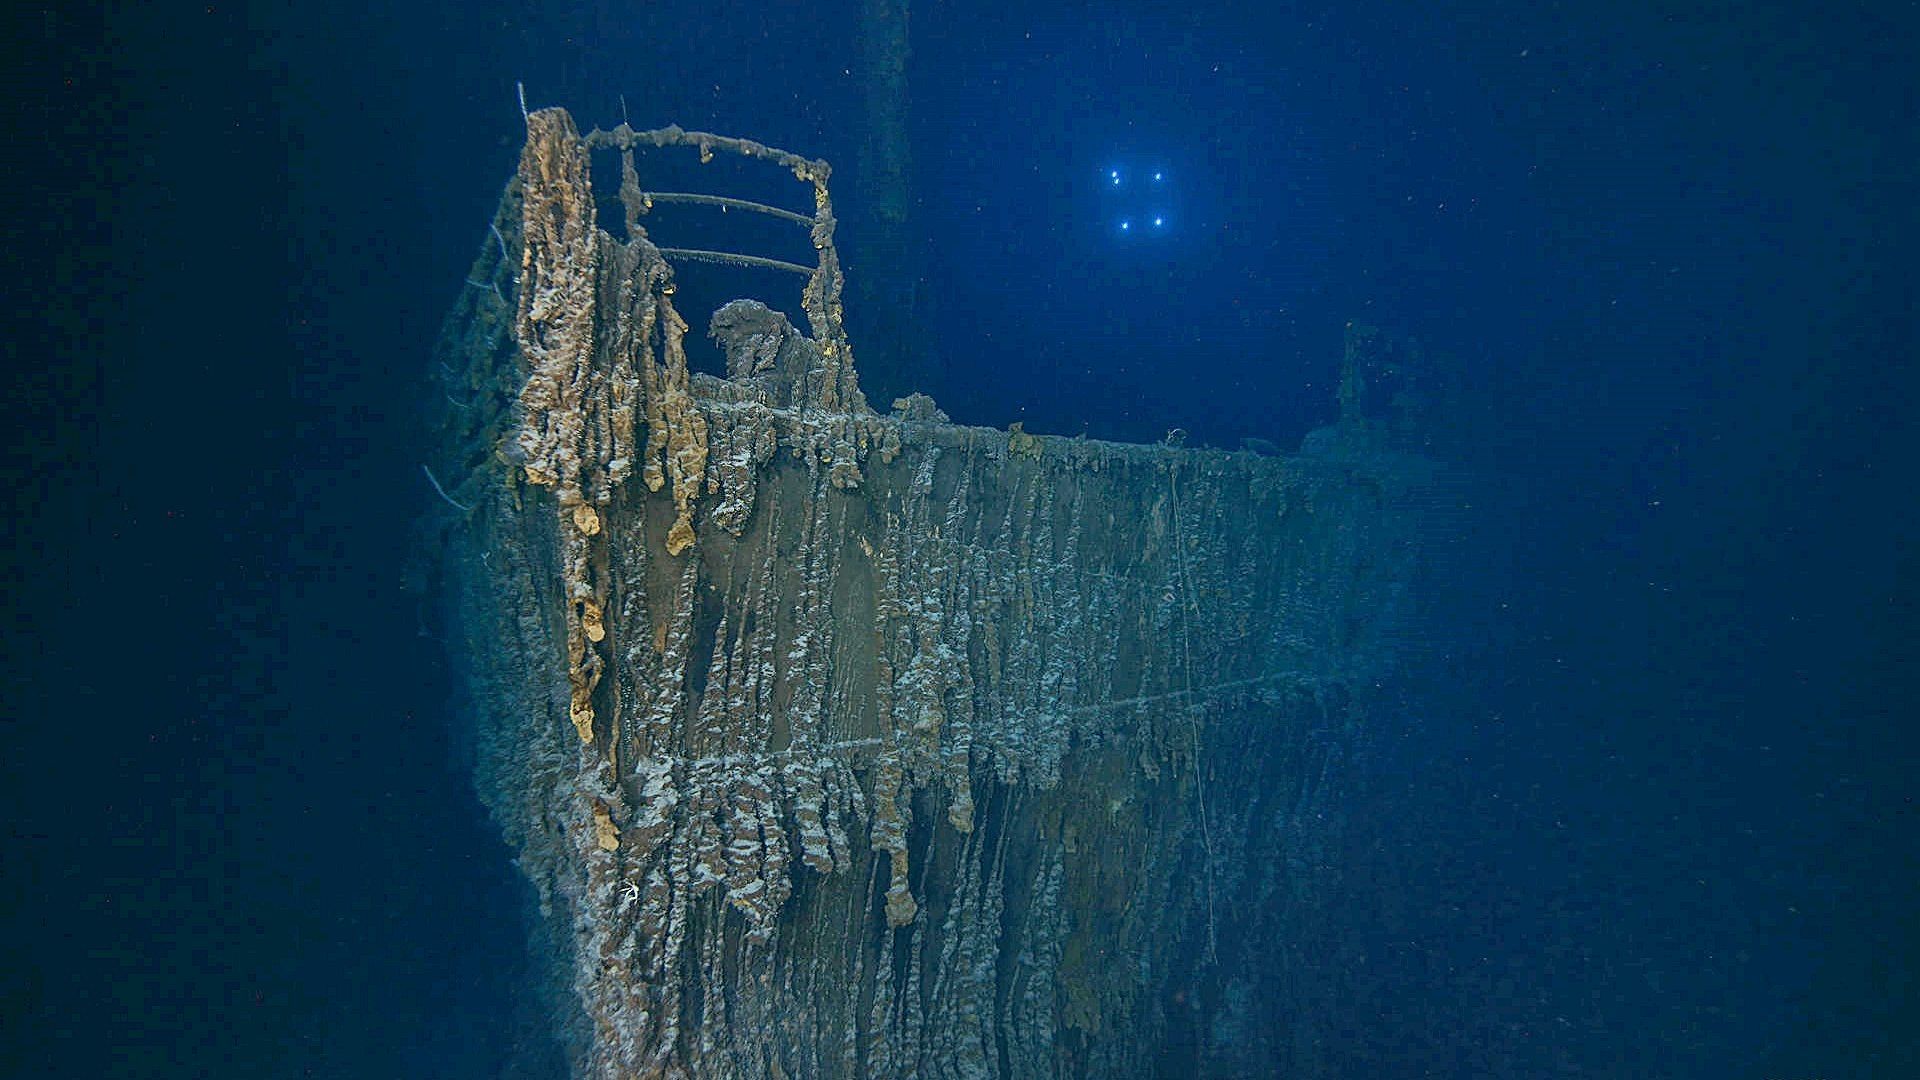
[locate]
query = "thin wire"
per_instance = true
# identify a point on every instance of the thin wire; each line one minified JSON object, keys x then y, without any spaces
{"x":435,"y":481}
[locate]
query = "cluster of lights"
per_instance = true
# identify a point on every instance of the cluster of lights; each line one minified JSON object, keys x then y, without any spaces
{"x":1158,"y":221}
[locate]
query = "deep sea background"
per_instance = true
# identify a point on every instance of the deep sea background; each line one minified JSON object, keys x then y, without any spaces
{"x":1656,"y":815}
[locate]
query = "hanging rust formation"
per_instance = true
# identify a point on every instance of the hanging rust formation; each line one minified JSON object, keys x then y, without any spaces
{"x":846,"y":744}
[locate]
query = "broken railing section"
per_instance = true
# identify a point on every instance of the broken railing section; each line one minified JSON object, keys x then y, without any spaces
{"x":850,"y":744}
{"x":826,"y":319}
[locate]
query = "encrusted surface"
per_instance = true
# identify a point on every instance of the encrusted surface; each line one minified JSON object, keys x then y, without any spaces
{"x":859,"y":745}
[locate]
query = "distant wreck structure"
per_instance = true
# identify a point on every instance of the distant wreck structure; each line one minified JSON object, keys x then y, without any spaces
{"x":838,"y":743}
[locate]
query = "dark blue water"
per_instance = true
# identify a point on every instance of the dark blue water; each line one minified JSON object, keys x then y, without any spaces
{"x":1657,"y":815}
